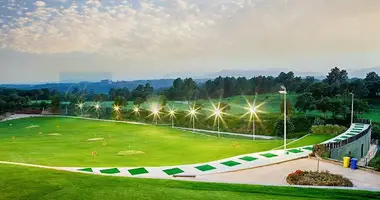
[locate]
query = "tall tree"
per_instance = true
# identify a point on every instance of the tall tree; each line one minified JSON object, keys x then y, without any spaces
{"x":372,"y":82}
{"x":336,"y":76}
{"x":305,"y":102}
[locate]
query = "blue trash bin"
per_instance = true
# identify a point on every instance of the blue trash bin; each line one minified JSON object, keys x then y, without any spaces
{"x":354,"y":163}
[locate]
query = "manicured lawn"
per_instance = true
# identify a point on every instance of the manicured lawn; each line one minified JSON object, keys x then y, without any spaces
{"x":310,"y":140}
{"x":155,"y":146}
{"x":18,"y":182}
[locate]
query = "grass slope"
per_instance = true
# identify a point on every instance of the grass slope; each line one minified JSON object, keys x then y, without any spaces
{"x":160,"y":145}
{"x":310,"y":140}
{"x":18,"y":182}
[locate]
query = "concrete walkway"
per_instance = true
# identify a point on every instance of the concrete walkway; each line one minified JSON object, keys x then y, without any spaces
{"x":276,"y":174}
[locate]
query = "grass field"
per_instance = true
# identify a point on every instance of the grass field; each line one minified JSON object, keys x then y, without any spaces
{"x":63,"y":142}
{"x":18,"y":182}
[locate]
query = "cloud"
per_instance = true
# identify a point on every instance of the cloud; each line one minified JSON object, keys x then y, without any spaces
{"x":161,"y":30}
{"x":39,"y":4}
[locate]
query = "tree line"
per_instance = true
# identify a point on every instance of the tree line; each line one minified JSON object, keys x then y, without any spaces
{"x":325,"y":95}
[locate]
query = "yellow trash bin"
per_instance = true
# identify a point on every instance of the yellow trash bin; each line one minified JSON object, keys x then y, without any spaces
{"x":346,"y":162}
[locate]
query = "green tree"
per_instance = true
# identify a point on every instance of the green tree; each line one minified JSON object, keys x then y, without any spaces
{"x":55,"y":103}
{"x":337,"y":107}
{"x":323,"y":105}
{"x":372,"y":83}
{"x":289,"y":107}
{"x":305,"y":102}
{"x":336,"y":76}
{"x":279,"y":126}
{"x":138,"y":101}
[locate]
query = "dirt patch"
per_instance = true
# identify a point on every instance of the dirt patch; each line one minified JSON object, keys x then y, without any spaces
{"x":54,"y":134}
{"x":129,"y":153}
{"x":32,"y":126}
{"x":94,"y":139}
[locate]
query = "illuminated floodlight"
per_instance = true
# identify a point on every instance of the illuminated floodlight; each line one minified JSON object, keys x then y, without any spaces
{"x":136,"y":110}
{"x":155,"y":112}
{"x":116,"y":108}
{"x":97,"y":108}
{"x":217,"y":113}
{"x":80,"y":106}
{"x":192,"y":112}
{"x":172,"y":115}
{"x":252,"y":111}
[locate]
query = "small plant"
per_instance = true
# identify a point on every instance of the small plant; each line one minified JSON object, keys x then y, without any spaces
{"x":324,"y":178}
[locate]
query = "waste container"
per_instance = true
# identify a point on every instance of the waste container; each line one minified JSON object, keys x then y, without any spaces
{"x":354,"y":163}
{"x":346,"y":162}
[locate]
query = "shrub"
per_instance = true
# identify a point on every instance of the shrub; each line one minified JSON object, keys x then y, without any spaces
{"x":324,"y":178}
{"x":375,"y":163}
{"x":328,"y":129}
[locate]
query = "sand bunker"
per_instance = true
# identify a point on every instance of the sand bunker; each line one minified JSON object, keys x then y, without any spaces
{"x":33,"y":126}
{"x":95,"y":139}
{"x":129,"y":153}
{"x":54,"y":134}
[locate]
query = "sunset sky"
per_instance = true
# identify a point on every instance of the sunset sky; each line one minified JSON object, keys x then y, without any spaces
{"x":140,"y":39}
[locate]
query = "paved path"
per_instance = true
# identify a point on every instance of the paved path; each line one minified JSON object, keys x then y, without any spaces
{"x":276,"y":174}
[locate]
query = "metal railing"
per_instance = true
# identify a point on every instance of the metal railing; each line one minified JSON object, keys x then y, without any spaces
{"x":341,"y":143}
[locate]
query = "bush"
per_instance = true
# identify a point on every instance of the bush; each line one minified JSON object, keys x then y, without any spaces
{"x":375,"y":163}
{"x":324,"y":178}
{"x":375,"y":131}
{"x":328,"y":129}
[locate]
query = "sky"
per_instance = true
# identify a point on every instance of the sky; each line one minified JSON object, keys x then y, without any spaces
{"x":148,"y":39}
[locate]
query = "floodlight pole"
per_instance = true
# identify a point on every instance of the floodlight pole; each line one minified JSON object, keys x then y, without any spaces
{"x":285,"y":120}
{"x":218,"y":127}
{"x":352,"y":108}
{"x":253,"y":127}
{"x":193,"y":124}
{"x":284,"y":92}
{"x":171,"y":117}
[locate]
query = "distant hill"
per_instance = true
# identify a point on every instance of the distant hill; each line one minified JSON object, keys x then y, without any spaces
{"x":97,"y":87}
{"x":361,"y":73}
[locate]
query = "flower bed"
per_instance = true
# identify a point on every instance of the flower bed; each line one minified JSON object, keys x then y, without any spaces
{"x":323,"y":178}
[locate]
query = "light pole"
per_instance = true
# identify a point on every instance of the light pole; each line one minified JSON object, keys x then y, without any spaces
{"x":80,"y":105}
{"x":192,"y":113}
{"x":97,"y":109}
{"x":352,"y":108}
{"x":253,"y":111}
{"x":172,"y":115}
{"x":218,"y":115}
{"x":283,"y":91}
